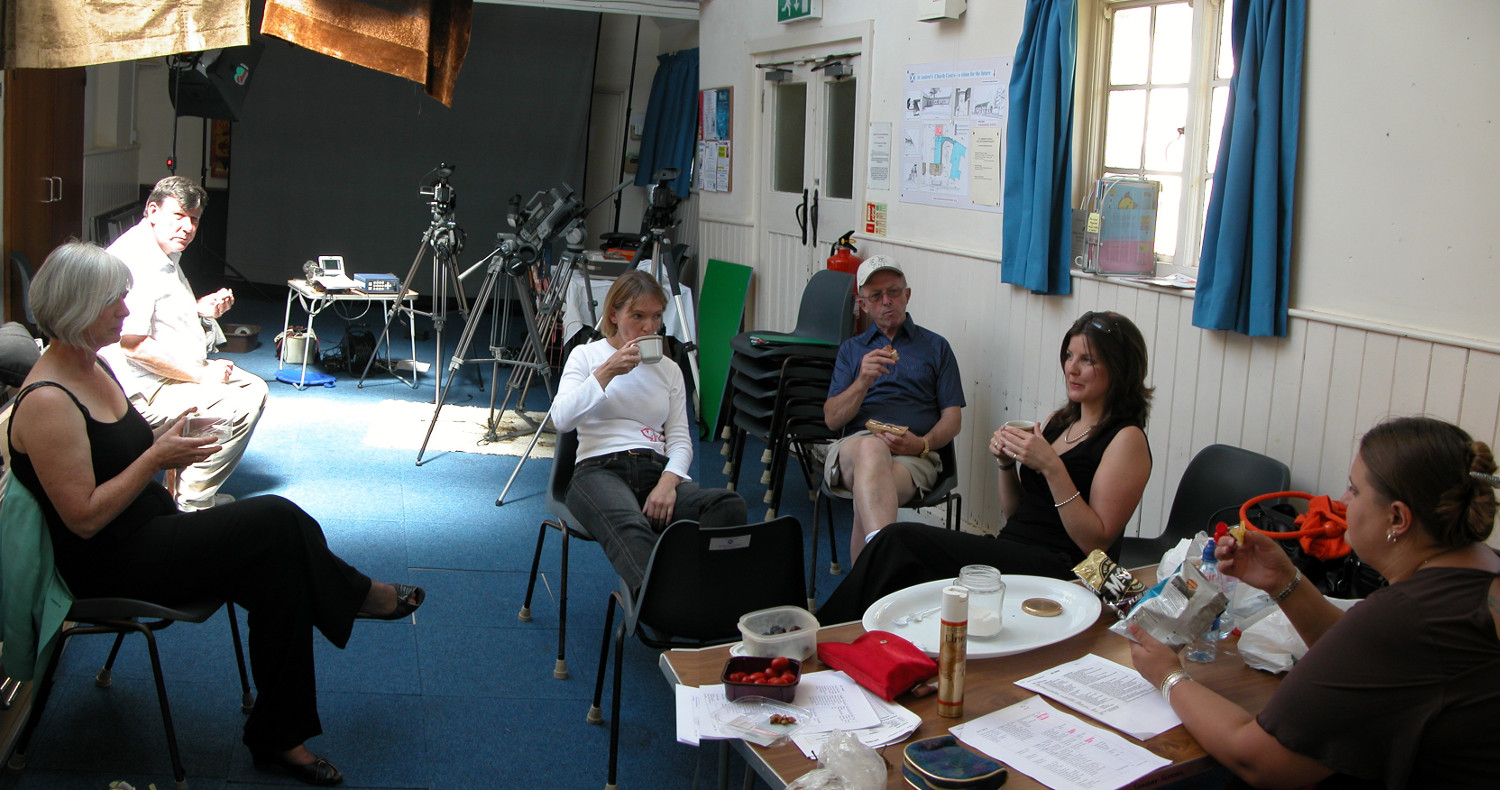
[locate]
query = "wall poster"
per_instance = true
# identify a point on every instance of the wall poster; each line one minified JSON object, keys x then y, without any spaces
{"x":715,"y":143}
{"x":953,"y":133}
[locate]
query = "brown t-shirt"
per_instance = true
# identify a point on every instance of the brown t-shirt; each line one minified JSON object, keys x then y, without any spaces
{"x":1404,"y":691}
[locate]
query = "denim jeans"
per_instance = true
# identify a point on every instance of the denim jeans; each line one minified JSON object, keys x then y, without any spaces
{"x":607,"y":495}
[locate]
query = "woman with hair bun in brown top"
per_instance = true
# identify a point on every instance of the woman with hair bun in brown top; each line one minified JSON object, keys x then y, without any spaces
{"x":1401,"y":691}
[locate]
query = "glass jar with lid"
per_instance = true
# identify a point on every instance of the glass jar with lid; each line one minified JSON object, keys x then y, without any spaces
{"x":986,"y":599}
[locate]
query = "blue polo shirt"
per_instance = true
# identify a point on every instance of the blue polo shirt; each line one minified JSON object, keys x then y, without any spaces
{"x":920,"y":385}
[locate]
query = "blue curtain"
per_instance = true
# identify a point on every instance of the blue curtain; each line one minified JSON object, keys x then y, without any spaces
{"x":1244,"y":275}
{"x":1037,"y":224}
{"x":671,"y":133}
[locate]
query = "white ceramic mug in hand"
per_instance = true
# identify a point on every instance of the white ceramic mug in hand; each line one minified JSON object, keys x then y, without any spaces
{"x":1023,"y":425}
{"x":650,"y":346}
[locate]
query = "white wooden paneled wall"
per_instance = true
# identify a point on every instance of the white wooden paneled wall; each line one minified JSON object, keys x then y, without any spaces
{"x":109,"y":181}
{"x":1304,"y":399}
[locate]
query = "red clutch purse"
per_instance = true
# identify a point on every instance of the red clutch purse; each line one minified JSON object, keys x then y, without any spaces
{"x":881,"y":662}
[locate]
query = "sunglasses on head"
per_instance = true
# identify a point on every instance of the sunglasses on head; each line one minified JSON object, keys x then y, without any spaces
{"x":1101,"y":321}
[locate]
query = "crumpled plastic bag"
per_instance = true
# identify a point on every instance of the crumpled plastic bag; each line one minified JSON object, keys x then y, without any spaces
{"x":1272,"y":644}
{"x":844,"y":764}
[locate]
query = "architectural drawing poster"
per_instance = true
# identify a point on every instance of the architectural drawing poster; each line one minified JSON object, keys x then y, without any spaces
{"x":953,"y":133}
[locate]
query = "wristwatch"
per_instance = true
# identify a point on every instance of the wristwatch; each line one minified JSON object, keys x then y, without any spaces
{"x":926,"y":448}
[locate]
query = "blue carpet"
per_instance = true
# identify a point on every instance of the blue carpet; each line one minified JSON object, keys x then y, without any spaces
{"x":461,"y":695}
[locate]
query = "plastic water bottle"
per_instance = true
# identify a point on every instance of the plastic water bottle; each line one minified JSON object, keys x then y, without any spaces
{"x":1205,"y":648}
{"x":1224,"y":626}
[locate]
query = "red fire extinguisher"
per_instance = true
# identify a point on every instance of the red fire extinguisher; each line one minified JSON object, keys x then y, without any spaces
{"x":842,"y":258}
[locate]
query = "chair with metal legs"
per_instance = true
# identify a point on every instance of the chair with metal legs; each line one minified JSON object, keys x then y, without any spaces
{"x":698,"y":583}
{"x":944,"y":492}
{"x":121,"y":616}
{"x":564,"y":457}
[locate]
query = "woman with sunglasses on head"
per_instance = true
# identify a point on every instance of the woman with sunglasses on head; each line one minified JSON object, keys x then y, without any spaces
{"x":1401,"y":690}
{"x":1067,"y":487}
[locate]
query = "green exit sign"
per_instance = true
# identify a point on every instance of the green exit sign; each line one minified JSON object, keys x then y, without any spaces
{"x":798,"y":10}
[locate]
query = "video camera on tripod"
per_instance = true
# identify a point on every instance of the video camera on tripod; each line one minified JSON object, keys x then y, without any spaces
{"x":662,"y":202}
{"x":437,"y":190}
{"x":544,"y":216}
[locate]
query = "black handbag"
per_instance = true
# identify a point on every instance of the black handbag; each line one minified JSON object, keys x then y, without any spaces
{"x":1345,"y":577}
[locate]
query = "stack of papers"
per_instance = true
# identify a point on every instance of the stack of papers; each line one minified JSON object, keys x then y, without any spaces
{"x":833,"y":698}
{"x":1053,"y":747}
{"x":1058,"y":750}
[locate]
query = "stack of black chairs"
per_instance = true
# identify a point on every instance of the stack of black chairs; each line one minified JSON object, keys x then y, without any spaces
{"x":778,"y":383}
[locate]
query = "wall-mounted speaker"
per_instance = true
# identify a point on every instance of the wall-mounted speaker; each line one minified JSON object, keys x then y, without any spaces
{"x":215,"y":86}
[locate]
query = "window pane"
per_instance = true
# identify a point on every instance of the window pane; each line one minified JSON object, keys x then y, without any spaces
{"x":1165,"y":129}
{"x":1130,"y":46}
{"x":1124,"y":127}
{"x":1225,"y":68}
{"x":791,"y":136}
{"x":838,"y":181}
{"x":1216,"y":125}
{"x":1172,"y":51}
{"x":1166,"y":215}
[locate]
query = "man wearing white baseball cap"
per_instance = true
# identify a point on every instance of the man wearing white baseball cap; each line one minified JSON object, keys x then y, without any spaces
{"x":897,"y":389}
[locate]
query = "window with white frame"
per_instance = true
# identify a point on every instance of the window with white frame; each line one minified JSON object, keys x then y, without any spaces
{"x":1160,"y":74}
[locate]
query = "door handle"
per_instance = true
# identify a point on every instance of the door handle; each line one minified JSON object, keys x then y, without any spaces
{"x":59,"y":197}
{"x":800,"y":212}
{"x":813,"y":214}
{"x":48,"y":179}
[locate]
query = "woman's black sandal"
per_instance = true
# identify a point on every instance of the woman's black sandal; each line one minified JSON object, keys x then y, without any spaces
{"x":408,"y":598}
{"x":318,"y":772}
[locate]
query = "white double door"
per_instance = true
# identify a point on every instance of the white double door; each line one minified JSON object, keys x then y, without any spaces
{"x":810,"y":160}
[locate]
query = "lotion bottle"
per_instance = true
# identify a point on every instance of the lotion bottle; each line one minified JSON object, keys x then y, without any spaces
{"x":952,"y":651}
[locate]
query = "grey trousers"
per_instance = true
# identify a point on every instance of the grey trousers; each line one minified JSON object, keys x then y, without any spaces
{"x":607,"y":495}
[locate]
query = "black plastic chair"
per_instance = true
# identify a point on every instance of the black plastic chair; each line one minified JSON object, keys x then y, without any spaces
{"x":1218,"y":477}
{"x":944,"y":492}
{"x":24,"y":273}
{"x":121,"y":616}
{"x":826,"y":314}
{"x":564,"y":457}
{"x":698,"y":584}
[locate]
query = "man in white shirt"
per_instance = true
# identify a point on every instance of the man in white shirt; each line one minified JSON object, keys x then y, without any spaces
{"x":162,"y":357}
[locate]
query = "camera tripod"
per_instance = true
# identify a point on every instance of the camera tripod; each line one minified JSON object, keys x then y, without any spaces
{"x":664,"y":264}
{"x":445,"y":239}
{"x":541,"y":316}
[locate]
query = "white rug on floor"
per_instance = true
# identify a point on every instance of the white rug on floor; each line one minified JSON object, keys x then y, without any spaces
{"x":401,"y":425}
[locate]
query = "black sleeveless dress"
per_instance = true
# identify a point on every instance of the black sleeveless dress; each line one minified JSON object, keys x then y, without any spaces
{"x":263,"y":553}
{"x":1034,"y":542}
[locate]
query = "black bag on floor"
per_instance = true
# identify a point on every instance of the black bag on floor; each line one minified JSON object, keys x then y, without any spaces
{"x":357,"y":346}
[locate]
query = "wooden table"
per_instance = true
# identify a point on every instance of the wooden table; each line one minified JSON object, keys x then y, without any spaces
{"x":990,"y":686}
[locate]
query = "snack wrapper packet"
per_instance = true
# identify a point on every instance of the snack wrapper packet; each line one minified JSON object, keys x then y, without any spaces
{"x":1177,"y":609}
{"x":1118,"y":588}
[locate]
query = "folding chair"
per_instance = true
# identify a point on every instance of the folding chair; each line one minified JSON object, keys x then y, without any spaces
{"x":697,"y":585}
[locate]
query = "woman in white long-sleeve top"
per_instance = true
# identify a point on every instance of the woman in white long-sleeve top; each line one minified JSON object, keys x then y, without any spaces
{"x":635,"y":445}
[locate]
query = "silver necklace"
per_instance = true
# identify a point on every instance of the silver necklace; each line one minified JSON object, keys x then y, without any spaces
{"x":1079,"y":437}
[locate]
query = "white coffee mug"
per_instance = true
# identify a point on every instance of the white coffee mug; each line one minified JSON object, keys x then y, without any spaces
{"x":650,"y":346}
{"x":1023,"y":425}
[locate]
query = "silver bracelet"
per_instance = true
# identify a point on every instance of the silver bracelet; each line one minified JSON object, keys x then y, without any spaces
{"x":1290,"y":587}
{"x":1171,"y":680}
{"x":1066,"y":501}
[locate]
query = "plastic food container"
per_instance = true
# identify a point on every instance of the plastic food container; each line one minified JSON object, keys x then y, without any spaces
{"x":747,"y":664}
{"x":750,"y":719}
{"x":789,"y":631}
